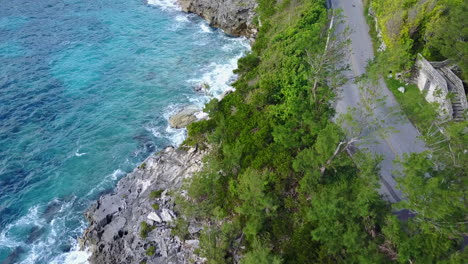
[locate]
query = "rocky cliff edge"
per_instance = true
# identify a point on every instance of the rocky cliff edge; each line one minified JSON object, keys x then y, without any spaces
{"x":235,"y":17}
{"x":133,"y":224}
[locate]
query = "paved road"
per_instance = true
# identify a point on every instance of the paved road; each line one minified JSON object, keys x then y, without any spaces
{"x":405,"y":139}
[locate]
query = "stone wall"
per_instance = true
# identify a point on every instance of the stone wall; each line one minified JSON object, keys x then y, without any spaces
{"x":434,"y":86}
{"x":440,"y":85}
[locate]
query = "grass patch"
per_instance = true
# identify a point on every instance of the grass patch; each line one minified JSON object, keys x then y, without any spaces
{"x":145,"y":229}
{"x":142,"y":166}
{"x":181,"y":229}
{"x":155,"y":206}
{"x":421,"y":113}
{"x":155,"y":194}
{"x":151,"y":250}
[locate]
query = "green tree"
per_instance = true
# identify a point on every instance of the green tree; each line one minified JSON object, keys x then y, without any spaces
{"x":260,"y":254}
{"x":255,"y":202}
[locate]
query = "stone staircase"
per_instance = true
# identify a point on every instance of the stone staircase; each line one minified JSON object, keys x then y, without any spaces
{"x":440,"y":85}
{"x":458,"y":96}
{"x":458,"y":111}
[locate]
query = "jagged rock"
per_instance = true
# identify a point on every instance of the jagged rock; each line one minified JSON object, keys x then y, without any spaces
{"x":107,"y":206}
{"x":202,"y":87}
{"x":184,"y":117}
{"x":234,"y":17}
{"x":154,"y":217}
{"x":113,"y":235}
{"x":113,"y":229}
{"x":194,"y":228}
{"x":166,"y":215}
{"x":194,"y":243}
{"x":226,"y":93}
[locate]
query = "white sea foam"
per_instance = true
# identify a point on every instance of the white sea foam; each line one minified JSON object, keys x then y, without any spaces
{"x":201,"y":115}
{"x":182,"y":18}
{"x":79,"y":154}
{"x":165,"y":4}
{"x":219,"y":77}
{"x":109,"y":178}
{"x":75,"y":256}
{"x":117,"y":173}
{"x":178,"y":135}
{"x":30,"y":219}
{"x":205,"y":28}
{"x":37,"y":249}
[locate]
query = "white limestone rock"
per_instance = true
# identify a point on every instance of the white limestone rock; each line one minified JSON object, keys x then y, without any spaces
{"x":154,"y":217}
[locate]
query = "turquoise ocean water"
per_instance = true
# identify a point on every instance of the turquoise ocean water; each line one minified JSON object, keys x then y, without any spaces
{"x":86,"y":88}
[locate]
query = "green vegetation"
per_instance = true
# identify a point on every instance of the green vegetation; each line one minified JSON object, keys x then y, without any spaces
{"x":181,"y":228}
{"x":155,"y":206}
{"x":279,"y":186}
{"x":142,"y":166}
{"x":421,"y":113}
{"x":145,"y":229}
{"x":435,"y":28}
{"x":155,"y":194}
{"x":151,"y":250}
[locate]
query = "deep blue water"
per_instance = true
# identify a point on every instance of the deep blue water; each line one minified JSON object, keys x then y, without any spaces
{"x":86,"y":87}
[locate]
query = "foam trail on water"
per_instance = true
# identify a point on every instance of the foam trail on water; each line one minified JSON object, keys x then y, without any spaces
{"x":165,"y":4}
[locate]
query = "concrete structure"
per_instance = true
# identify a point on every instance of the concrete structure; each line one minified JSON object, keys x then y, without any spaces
{"x":440,"y":85}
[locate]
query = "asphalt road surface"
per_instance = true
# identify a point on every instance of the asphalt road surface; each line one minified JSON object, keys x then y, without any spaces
{"x":405,"y":137}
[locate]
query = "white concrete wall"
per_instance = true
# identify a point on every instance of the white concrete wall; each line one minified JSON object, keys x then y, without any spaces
{"x":437,"y":91}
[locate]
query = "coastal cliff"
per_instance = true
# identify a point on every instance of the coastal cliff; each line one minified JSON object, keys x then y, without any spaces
{"x":133,"y":224}
{"x":235,"y":17}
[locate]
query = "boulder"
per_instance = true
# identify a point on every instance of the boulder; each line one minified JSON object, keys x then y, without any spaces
{"x":111,"y":231}
{"x":401,"y":89}
{"x":193,"y":243}
{"x":185,"y":117}
{"x":194,"y":228}
{"x":202,"y":87}
{"x":154,"y":217}
{"x":166,"y":215}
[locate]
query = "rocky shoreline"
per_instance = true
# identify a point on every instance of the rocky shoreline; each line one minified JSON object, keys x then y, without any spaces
{"x":134,"y":223}
{"x":235,"y":17}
